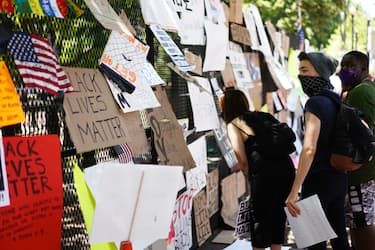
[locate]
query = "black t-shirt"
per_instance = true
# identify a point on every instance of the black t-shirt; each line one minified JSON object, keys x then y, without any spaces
{"x":323,"y":108}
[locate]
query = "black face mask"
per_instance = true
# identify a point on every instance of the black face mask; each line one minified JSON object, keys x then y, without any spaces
{"x":313,"y":85}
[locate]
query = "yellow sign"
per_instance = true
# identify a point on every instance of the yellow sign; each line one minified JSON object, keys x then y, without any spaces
{"x":10,"y":105}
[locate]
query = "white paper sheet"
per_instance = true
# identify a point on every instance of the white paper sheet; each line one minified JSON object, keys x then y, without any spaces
{"x":215,"y":11}
{"x":160,"y":12}
{"x":124,"y":199}
{"x":203,"y":105}
{"x":127,"y":56}
{"x":196,"y":177}
{"x":104,"y":13}
{"x":239,"y":66}
{"x":216,"y":48}
{"x":311,"y":226}
{"x":4,"y":190}
{"x":245,"y":245}
{"x":192,"y":23}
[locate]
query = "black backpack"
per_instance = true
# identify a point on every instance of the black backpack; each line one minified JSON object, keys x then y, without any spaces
{"x":352,"y":139}
{"x":274,"y":138}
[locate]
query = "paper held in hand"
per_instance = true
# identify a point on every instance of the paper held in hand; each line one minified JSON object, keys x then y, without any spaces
{"x":311,"y":226}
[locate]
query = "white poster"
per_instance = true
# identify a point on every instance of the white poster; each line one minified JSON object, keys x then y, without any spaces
{"x":196,"y":177}
{"x":171,"y":48}
{"x":192,"y":23}
{"x":239,"y":66}
{"x":180,"y":235}
{"x":104,"y":13}
{"x":225,"y":145}
{"x":4,"y":190}
{"x":215,"y":11}
{"x":150,"y":75}
{"x":203,"y":105}
{"x":311,"y":226}
{"x":127,"y":56}
{"x":124,"y":199}
{"x":216,"y":48}
{"x":160,"y":12}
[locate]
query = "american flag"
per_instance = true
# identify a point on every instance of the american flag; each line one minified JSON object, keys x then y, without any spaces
{"x":124,"y":153}
{"x":37,"y":63}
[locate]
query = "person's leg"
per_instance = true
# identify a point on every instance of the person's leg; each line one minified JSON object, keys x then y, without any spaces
{"x":362,"y":201}
{"x":276,"y":247}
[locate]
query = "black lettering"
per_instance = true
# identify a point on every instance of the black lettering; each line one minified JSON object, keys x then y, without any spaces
{"x":44,"y":182}
{"x":39,"y":162}
{"x":121,"y":99}
{"x":30,"y":147}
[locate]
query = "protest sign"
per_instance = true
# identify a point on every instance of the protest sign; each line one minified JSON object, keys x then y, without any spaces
{"x":212,"y":190}
{"x":93,"y":119}
{"x":202,"y":219}
{"x":34,"y":170}
{"x":240,"y":34}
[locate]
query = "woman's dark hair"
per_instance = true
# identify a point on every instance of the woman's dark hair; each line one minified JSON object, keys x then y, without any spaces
{"x":233,"y":103}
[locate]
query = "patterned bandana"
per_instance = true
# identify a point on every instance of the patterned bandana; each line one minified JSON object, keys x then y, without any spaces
{"x":313,"y":85}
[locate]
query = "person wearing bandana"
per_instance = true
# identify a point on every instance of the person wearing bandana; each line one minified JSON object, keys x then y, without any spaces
{"x":359,"y":92}
{"x":314,"y":174}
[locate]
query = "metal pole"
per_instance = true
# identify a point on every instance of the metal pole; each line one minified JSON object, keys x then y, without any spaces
{"x":352,"y":31}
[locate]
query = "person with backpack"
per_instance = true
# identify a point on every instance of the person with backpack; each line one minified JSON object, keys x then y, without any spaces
{"x":262,"y":145}
{"x":359,"y":92}
{"x":315,"y":175}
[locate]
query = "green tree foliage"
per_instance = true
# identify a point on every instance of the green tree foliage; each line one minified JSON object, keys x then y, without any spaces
{"x":319,"y":18}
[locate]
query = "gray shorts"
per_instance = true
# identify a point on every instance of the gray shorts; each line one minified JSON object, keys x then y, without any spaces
{"x":362,"y":203}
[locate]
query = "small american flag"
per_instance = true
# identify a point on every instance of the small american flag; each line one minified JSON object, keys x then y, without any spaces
{"x":124,"y":153}
{"x":37,"y":63}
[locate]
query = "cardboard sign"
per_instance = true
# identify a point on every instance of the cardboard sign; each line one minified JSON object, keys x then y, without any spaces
{"x":229,"y":199}
{"x":195,"y":60}
{"x":10,"y":106}
{"x":235,"y":11}
{"x":93,"y":118}
{"x":240,"y":34}
{"x":228,"y":75}
{"x":36,"y":196}
{"x":126,"y":21}
{"x":202,"y":219}
{"x":180,"y":234}
{"x":212,"y":190}
{"x":168,"y":135}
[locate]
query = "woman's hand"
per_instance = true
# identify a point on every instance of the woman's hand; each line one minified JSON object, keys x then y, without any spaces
{"x":291,"y":204}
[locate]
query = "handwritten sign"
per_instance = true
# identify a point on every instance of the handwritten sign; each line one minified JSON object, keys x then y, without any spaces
{"x":202,"y":220}
{"x":126,"y":55}
{"x":224,"y":144}
{"x":35,"y":185}
{"x":240,"y":34}
{"x":4,"y":191}
{"x":239,"y":66}
{"x":180,"y":234}
{"x":10,"y":106}
{"x":171,"y":48}
{"x":168,"y":134}
{"x":93,"y":118}
{"x":212,"y":190}
{"x":196,"y":177}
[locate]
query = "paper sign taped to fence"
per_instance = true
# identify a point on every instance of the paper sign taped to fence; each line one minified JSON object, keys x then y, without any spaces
{"x":126,"y":56}
{"x":202,"y":219}
{"x":10,"y":105}
{"x":229,"y":199}
{"x":180,"y":234}
{"x":106,"y":15}
{"x":4,"y":190}
{"x":203,"y":105}
{"x":195,"y":60}
{"x":165,"y":127}
{"x":196,"y":177}
{"x":311,"y":226}
{"x":192,"y":23}
{"x":216,"y":48}
{"x":34,"y":172}
{"x":212,"y":190}
{"x":224,"y":144}
{"x":240,"y":34}
{"x":93,"y":118}
{"x":171,"y":48}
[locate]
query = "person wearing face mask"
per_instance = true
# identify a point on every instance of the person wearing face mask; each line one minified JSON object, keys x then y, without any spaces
{"x":359,"y":92}
{"x":314,"y":174}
